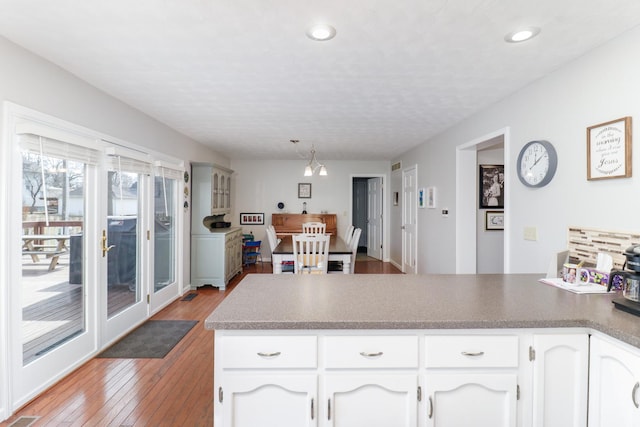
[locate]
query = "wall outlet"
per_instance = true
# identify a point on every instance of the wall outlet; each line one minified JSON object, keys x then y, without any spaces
{"x":530,"y":233}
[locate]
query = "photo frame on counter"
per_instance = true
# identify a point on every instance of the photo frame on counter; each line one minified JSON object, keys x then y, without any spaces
{"x":494,"y":220}
{"x":491,"y":182}
{"x":304,"y":190}
{"x":248,"y":218}
{"x":609,"y":150}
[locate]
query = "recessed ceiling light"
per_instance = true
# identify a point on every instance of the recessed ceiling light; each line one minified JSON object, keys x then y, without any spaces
{"x":321,"y":32}
{"x":522,"y":35}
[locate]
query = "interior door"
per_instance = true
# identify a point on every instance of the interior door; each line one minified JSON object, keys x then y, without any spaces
{"x":125,"y":240}
{"x":374,"y":218}
{"x":409,"y":222}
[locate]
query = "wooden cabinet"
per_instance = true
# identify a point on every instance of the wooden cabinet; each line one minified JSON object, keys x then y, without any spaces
{"x":560,"y":380}
{"x":286,"y":224}
{"x":614,"y":384}
{"x":216,"y":257}
{"x":471,"y":380}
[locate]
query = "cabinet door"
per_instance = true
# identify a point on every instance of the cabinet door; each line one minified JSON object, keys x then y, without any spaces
{"x":376,"y":400}
{"x":275,"y":400}
{"x":462,"y":400}
{"x":613,"y":385}
{"x":560,"y":380}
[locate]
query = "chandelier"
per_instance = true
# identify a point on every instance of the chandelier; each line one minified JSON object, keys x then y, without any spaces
{"x":314,"y":165}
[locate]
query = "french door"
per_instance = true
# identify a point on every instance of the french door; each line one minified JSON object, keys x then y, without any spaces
{"x":92,"y":242}
{"x":409,"y":220}
{"x":124,"y":245}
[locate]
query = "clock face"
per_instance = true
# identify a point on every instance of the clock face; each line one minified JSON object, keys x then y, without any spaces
{"x":537,"y":163}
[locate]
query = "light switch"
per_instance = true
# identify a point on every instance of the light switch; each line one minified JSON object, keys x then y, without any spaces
{"x":530,"y":233}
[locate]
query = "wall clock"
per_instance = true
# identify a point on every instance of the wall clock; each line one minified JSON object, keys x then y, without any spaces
{"x":537,"y":163}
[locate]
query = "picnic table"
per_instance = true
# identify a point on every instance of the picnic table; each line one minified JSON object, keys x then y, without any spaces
{"x":35,"y":245}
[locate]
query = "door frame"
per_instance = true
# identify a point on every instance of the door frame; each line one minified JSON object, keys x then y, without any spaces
{"x":467,"y":201}
{"x":385,"y":208}
{"x":405,"y":171}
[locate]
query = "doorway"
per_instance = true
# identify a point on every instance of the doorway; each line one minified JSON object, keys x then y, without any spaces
{"x":367,"y":214}
{"x":470,"y":219}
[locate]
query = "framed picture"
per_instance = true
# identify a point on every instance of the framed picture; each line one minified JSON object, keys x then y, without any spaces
{"x":304,"y":190}
{"x":252,"y":219}
{"x":609,"y":150}
{"x":494,"y":220}
{"x":431,"y":197}
{"x":396,"y":198}
{"x":422,"y":198}
{"x":491,"y":182}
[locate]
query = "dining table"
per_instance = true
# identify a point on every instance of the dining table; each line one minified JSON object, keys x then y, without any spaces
{"x":338,"y":251}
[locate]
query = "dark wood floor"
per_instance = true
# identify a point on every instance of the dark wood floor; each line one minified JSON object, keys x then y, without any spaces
{"x":174,"y":391}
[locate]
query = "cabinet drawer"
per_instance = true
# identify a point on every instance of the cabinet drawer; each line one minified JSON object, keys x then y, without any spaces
{"x":269,"y":352}
{"x":371,"y":352}
{"x":471,"y":351}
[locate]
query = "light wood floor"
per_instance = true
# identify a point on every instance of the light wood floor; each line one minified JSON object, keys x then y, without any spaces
{"x":174,"y":391}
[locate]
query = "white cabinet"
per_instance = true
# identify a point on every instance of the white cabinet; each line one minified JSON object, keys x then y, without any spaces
{"x":266,"y":380}
{"x":220,"y":190}
{"x":471,"y":380}
{"x":275,"y":400}
{"x":471,"y":399}
{"x":614,"y":383}
{"x":560,"y":380}
{"x":371,"y":380}
{"x":371,"y":400}
{"x":216,"y":257}
{"x":210,"y":194}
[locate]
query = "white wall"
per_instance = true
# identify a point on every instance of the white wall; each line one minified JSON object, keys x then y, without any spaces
{"x":258,"y":186}
{"x":598,"y":87}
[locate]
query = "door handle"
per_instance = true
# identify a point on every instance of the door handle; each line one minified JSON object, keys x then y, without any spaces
{"x":105,"y":248}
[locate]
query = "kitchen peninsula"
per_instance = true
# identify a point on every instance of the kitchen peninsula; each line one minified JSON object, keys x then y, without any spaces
{"x":325,"y":350}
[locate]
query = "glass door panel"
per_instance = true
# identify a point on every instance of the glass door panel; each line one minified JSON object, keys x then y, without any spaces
{"x":122,"y":241}
{"x":164,"y":229}
{"x":52,"y":292}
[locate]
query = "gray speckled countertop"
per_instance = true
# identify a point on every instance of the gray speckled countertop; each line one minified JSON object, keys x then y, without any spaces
{"x":378,"y":301}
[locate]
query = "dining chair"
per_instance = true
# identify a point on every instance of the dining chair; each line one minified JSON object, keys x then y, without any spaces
{"x":314,"y":227}
{"x":310,"y":253}
{"x":348,"y":235}
{"x":272,"y":237}
{"x":353,"y":245}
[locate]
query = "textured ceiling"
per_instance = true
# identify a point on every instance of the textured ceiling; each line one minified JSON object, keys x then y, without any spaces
{"x":242,"y":77}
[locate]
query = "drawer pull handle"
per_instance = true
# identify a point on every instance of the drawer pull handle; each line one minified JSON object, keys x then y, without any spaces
{"x":430,"y":414}
{"x":378,"y":354}
{"x":473,"y":353}
{"x":633,"y":395}
{"x":274,"y":354}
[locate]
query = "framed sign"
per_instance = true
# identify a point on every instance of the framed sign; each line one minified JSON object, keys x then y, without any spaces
{"x":304,"y":190}
{"x":494,"y":220}
{"x":431,"y":197}
{"x":609,"y":150}
{"x":421,"y":198}
{"x":251,"y":219}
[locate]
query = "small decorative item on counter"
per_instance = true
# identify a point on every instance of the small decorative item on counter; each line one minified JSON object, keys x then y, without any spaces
{"x":570,"y":272}
{"x":592,"y":275}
